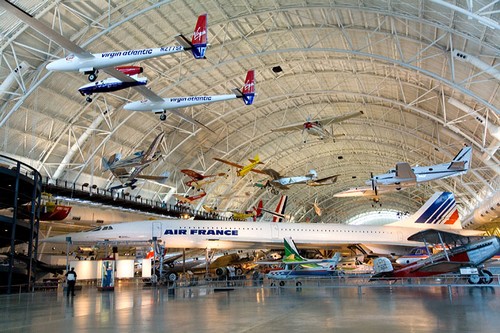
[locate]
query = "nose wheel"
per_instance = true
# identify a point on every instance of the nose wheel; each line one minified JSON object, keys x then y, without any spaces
{"x":163,"y":117}
{"x":88,"y":99}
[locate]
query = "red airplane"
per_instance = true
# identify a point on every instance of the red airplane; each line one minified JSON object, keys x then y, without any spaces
{"x":198,"y":181}
{"x":187,"y":199}
{"x":472,"y":253}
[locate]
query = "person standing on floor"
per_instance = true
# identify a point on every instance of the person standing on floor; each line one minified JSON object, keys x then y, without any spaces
{"x":71,"y":280}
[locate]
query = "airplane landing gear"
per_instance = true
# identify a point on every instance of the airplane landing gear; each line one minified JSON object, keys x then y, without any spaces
{"x":163,"y":117}
{"x":88,"y":99}
{"x":93,"y":76}
{"x":282,"y":283}
{"x":484,"y":277}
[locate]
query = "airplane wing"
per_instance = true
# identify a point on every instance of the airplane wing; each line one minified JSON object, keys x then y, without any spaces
{"x":192,"y":174}
{"x":272,"y":173}
{"x":338,"y":119}
{"x":434,"y":236}
{"x":356,"y":192}
{"x":120,"y":172}
{"x":323,"y":181}
{"x":441,"y":266}
{"x":279,"y":185}
{"x":149,"y":177}
{"x":46,"y":31}
{"x":228,"y":162}
{"x":293,"y":127}
{"x":404,"y":171}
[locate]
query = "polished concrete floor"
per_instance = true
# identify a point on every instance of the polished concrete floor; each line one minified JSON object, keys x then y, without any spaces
{"x":134,"y":309}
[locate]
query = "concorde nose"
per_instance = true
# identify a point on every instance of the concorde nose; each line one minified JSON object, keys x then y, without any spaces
{"x":55,"y":239}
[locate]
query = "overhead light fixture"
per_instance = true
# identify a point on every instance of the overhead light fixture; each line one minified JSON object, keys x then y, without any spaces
{"x":493,"y":129}
{"x":277,"y":69}
{"x":476,"y":62}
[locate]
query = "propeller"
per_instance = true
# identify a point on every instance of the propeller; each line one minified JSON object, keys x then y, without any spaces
{"x":374,"y":184}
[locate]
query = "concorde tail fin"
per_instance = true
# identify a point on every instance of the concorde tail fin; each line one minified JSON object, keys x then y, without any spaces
{"x":439,"y":212}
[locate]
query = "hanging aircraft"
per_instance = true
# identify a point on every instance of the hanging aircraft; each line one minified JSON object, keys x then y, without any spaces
{"x":296,"y":266}
{"x":128,"y":170}
{"x":112,"y":84}
{"x":254,"y":213}
{"x":140,"y":158}
{"x":199,"y":181}
{"x":318,"y":127}
{"x":243,"y":170}
{"x":281,"y":182}
{"x":317,"y":208}
{"x":405,"y":176}
{"x":439,"y":211}
{"x":189,"y":199}
{"x":160,"y":105}
{"x":469,"y":255}
{"x":364,"y":191}
{"x":83,"y":61}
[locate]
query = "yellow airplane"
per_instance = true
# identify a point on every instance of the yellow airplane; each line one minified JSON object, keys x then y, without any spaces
{"x":243,"y":170}
{"x":254,"y":213}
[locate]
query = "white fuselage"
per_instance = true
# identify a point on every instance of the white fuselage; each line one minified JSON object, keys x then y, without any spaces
{"x":176,"y":102}
{"x":109,"y":59}
{"x":422,"y":174}
{"x":294,"y":180}
{"x":231,"y":234}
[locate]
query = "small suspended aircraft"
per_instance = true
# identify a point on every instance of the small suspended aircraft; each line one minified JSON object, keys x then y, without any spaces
{"x":282,"y":182}
{"x":128,"y":170}
{"x":188,"y":199}
{"x":318,"y":127}
{"x":159,"y":105}
{"x":83,"y":61}
{"x":405,"y":176}
{"x":112,"y":84}
{"x":198,"y":181}
{"x":90,"y":63}
{"x":243,"y":170}
{"x":254,"y":213}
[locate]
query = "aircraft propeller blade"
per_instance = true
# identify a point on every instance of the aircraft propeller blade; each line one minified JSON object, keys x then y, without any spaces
{"x":374,"y":185}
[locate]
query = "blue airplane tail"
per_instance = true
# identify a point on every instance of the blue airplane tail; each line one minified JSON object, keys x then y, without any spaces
{"x":439,"y":212}
{"x":107,"y":164}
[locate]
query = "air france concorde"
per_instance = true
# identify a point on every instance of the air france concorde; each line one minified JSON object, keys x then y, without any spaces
{"x":439,"y":212}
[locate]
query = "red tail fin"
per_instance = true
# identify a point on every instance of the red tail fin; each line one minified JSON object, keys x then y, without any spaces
{"x":258,"y":210}
{"x":200,"y":37}
{"x":249,"y":87}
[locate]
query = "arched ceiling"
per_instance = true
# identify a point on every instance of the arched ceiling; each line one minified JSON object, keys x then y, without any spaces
{"x":392,"y":59}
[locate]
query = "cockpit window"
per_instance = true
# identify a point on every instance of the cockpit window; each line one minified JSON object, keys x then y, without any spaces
{"x":95,"y":229}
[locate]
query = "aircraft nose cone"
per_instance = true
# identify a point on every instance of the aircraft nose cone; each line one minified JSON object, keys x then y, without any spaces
{"x":51,"y":66}
{"x":55,"y":239}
